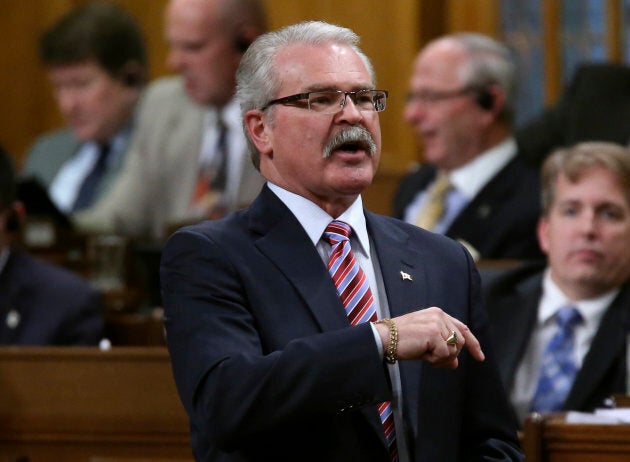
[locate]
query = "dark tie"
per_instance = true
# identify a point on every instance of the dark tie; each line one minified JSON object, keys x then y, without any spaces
{"x":212,"y":175}
{"x":218,"y":183}
{"x":87,"y":192}
{"x":558,"y":368}
{"x":354,"y":290}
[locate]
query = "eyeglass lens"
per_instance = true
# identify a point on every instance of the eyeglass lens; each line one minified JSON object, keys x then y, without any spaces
{"x":330,"y":102}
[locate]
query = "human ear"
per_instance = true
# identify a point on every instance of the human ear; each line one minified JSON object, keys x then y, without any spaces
{"x":258,"y":129}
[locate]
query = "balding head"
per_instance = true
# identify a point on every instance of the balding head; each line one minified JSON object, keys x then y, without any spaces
{"x":207,"y":40}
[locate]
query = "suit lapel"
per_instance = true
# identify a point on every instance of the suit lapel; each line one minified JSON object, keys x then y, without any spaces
{"x":286,"y":244}
{"x":512,"y":328}
{"x":608,"y":347}
{"x":407,"y":288}
{"x":481,"y":208}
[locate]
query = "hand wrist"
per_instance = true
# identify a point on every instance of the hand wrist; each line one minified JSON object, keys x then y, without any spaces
{"x":391,"y":347}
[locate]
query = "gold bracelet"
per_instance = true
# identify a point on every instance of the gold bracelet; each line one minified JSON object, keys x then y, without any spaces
{"x":391,"y":352}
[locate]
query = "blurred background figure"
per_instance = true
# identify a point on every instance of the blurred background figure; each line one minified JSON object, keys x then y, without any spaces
{"x":97,"y":64}
{"x":594,"y":106}
{"x":189,"y":158}
{"x":560,"y":330}
{"x":40,"y":304}
{"x":471,"y":186}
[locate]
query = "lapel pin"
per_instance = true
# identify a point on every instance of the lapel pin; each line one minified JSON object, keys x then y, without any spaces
{"x":13,"y":319}
{"x":405,"y":276}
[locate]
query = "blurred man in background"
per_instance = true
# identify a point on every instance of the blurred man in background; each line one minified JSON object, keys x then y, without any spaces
{"x":189,"y":159}
{"x":471,"y":186}
{"x":96,"y":61}
{"x":560,"y":330}
{"x":40,"y":304}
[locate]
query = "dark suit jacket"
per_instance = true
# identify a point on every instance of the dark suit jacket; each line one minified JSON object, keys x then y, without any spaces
{"x":594,"y":106}
{"x":53,"y":305}
{"x":268,"y":367}
{"x":500,"y":222}
{"x":512,"y":304}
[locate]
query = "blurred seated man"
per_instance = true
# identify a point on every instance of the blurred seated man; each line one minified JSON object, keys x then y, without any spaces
{"x":472,"y":185}
{"x":560,"y":330}
{"x":595,"y":106}
{"x":40,"y":304}
{"x":189,"y":159}
{"x":96,"y":61}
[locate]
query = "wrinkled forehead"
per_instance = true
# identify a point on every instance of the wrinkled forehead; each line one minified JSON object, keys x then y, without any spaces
{"x":304,"y":67}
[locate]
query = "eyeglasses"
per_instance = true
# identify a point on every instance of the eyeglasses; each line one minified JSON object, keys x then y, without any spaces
{"x":432,"y":96}
{"x":333,"y":101}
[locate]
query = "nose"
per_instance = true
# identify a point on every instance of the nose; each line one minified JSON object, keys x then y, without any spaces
{"x":67,"y":99}
{"x":349,"y":111}
{"x":588,"y":223}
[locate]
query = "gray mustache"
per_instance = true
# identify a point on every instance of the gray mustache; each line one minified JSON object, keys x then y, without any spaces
{"x":353,"y":135}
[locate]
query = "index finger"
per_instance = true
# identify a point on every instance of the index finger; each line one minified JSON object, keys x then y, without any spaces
{"x":470,"y":342}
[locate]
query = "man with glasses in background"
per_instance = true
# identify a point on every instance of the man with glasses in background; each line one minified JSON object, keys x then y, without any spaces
{"x":471,"y":186}
{"x":307,"y":328}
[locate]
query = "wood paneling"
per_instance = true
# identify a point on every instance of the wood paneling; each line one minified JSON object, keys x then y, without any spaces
{"x":78,"y":404}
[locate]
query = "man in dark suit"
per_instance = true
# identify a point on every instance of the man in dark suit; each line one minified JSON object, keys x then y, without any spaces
{"x":585,"y":232}
{"x":40,"y":304}
{"x":461,"y":105}
{"x":595,"y":106}
{"x":268,"y":364}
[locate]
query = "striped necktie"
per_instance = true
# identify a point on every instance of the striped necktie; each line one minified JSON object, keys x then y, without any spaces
{"x":354,"y":290}
{"x":558,"y":368}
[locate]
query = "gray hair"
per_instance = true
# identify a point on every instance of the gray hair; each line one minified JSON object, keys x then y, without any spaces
{"x":489,"y":62}
{"x":574,"y":161}
{"x":256,"y":79}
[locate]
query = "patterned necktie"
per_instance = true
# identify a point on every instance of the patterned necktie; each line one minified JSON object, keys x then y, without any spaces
{"x":87,"y":192}
{"x":212,"y":175}
{"x":354,"y":290}
{"x":434,"y":206}
{"x":558,"y":367}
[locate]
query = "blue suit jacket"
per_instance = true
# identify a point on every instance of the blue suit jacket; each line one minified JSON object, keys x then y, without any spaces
{"x":269,"y":368}
{"x":41,"y":304}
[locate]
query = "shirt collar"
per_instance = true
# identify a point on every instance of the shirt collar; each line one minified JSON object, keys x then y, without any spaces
{"x":591,"y":309}
{"x":230,"y":113}
{"x":314,"y":220}
{"x":470,"y":178}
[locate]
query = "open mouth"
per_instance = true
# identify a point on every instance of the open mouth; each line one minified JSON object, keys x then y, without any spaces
{"x":352,"y":140}
{"x":352,"y":147}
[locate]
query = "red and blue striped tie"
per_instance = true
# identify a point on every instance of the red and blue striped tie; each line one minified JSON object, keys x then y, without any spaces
{"x":354,"y":290}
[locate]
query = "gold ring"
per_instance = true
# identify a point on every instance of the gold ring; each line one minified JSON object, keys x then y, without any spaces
{"x":452,"y":339}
